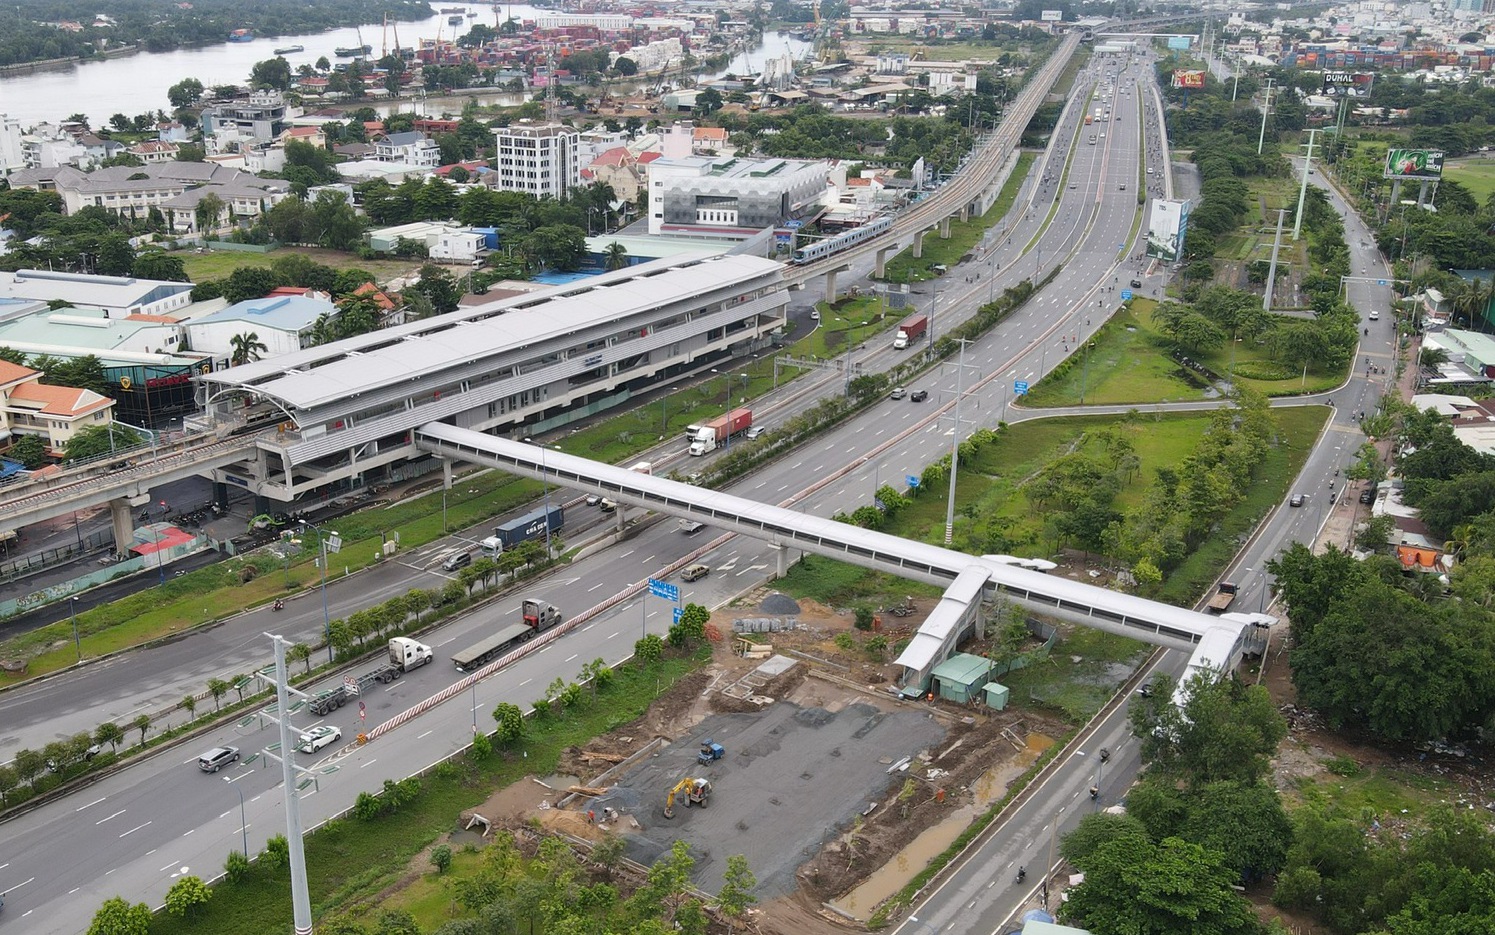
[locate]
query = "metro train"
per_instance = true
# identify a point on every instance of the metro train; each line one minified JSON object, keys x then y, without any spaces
{"x":821,"y":249}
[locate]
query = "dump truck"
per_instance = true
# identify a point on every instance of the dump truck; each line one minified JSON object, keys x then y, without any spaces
{"x":535,"y":617}
{"x":405,"y":654}
{"x":909,"y":330}
{"x":710,"y":750}
{"x":1224,"y":595}
{"x":714,"y":433}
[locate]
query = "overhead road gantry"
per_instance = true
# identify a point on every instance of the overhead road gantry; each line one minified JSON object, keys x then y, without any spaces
{"x":969,"y":580}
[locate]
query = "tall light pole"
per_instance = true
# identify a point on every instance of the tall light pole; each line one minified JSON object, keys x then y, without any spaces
{"x":955,"y":446}
{"x":72,"y":611}
{"x":243,"y":822}
{"x":324,"y":545}
{"x":300,"y":897}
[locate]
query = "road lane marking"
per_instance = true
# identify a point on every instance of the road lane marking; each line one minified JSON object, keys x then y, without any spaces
{"x":115,"y":815}
{"x":423,"y":736}
{"x":650,"y":559}
{"x":525,"y":682}
{"x":615,"y":634}
{"x":572,"y":656}
{"x":594,"y":587}
{"x":628,"y":553}
{"x":133,"y":830}
{"x":369,"y":763}
{"x":78,"y":809}
{"x":167,"y":867}
{"x":444,"y":642}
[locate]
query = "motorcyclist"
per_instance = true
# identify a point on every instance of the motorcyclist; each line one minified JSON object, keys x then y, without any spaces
{"x":1095,"y":792}
{"x":1022,"y":873}
{"x":1104,"y":754}
{"x":278,"y":605}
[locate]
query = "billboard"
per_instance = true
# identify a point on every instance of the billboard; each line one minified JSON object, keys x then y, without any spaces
{"x":1051,"y":16}
{"x":1188,"y":79}
{"x":1424,"y":165}
{"x":1166,"y":230}
{"x":1348,"y":84}
{"x":1178,"y":43}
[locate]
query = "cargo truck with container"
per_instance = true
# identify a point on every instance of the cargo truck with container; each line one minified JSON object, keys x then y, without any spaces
{"x":1224,"y":597}
{"x":535,"y":618}
{"x":531,"y":525}
{"x":715,"y":433}
{"x":404,"y":654}
{"x":910,"y":330}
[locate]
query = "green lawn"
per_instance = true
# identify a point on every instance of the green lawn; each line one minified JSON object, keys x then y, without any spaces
{"x":1477,"y":175}
{"x":216,"y":264}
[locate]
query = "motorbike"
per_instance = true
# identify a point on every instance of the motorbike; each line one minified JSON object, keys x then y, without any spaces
{"x":1104,"y":754}
{"x":1022,"y":874}
{"x":278,"y":605}
{"x":1095,"y":792}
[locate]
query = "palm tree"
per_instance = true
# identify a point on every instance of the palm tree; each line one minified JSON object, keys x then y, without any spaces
{"x":209,"y":213}
{"x":1470,"y":297}
{"x":615,"y":256}
{"x":246,"y":347}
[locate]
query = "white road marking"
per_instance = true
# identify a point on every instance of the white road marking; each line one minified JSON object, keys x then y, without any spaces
{"x":369,"y":763}
{"x":594,"y":587}
{"x":133,"y":830}
{"x":185,"y":833}
{"x":525,"y":682}
{"x":628,"y":553}
{"x":115,"y":815}
{"x":614,"y":634}
{"x":572,"y":656}
{"x":78,"y":809}
{"x":445,"y":641}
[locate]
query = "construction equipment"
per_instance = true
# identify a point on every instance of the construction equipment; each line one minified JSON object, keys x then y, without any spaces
{"x":693,"y":791}
{"x":710,"y":750}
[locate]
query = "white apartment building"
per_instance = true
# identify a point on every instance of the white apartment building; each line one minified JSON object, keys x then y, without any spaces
{"x":540,"y":159}
{"x":11,"y":156}
{"x":411,"y":149}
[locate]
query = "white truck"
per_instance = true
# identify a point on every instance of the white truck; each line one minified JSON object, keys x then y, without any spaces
{"x":405,"y":654}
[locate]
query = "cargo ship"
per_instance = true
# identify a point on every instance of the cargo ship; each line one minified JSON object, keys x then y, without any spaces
{"x":287,"y":50}
{"x":241,"y":35}
{"x":353,"y":51}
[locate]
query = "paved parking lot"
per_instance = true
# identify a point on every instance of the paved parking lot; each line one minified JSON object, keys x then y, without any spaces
{"x":792,"y":778}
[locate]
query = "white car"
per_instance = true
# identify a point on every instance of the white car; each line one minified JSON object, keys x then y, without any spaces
{"x":318,"y":737}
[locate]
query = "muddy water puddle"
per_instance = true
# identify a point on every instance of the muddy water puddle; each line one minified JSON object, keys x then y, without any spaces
{"x":892,"y":876}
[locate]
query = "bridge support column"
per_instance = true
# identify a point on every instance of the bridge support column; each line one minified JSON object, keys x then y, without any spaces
{"x":965,"y":213}
{"x":220,"y":495}
{"x":622,"y":519}
{"x":261,"y":504}
{"x":780,"y":561}
{"x":446,"y":473}
{"x":945,"y":228}
{"x":882,"y":260}
{"x":121,"y":516}
{"x":830,"y":286}
{"x":919,"y":244}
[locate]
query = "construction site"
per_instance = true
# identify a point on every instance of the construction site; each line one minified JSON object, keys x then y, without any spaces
{"x":794,"y":753}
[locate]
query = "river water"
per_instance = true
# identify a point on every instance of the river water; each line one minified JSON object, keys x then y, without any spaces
{"x":137,"y":83}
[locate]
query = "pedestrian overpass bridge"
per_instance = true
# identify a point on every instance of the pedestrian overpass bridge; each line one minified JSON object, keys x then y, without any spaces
{"x":969,"y":581}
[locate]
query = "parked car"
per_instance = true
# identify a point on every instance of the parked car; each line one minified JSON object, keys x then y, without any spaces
{"x":1368,"y":495}
{"x":695,"y":573}
{"x":318,"y":737}
{"x":918,"y":396}
{"x":217,"y":758}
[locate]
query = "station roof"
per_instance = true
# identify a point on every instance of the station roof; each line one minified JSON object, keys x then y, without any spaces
{"x":341,"y":370}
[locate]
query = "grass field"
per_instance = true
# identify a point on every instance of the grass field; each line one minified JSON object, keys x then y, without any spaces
{"x":1477,"y":175}
{"x":905,"y":267}
{"x":216,"y":264}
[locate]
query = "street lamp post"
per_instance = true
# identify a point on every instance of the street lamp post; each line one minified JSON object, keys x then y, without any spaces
{"x":72,"y":612}
{"x":326,"y":616}
{"x":243,"y":822}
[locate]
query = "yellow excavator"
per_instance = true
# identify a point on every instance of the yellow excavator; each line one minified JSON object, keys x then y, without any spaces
{"x":693,"y":791}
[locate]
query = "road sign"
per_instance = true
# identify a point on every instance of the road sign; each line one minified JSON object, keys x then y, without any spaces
{"x":1126,"y":295}
{"x":1019,"y":387}
{"x":1380,"y":282}
{"x":912,"y":480}
{"x":664,"y":589}
{"x":362,"y":711}
{"x":679,"y":612}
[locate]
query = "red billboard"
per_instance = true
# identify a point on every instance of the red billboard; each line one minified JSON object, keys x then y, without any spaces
{"x":1188,"y":79}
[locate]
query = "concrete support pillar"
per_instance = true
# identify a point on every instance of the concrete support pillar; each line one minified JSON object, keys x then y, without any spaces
{"x":621,"y":515}
{"x":121,"y":516}
{"x":882,"y":259}
{"x":261,"y":504}
{"x":780,"y":561}
{"x":830,"y":286}
{"x":919,"y":244}
{"x":944,"y":228}
{"x":446,"y":473}
{"x":965,"y":213}
{"x":220,"y":495}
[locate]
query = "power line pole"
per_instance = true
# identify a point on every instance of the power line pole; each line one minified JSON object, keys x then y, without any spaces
{"x":1265,"y":109}
{"x":1266,"y":300}
{"x":1303,"y":189}
{"x":300,"y":896}
{"x":955,"y":445}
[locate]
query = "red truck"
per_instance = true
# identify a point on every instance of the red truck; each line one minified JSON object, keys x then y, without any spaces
{"x":909,"y":330}
{"x":718,"y":430}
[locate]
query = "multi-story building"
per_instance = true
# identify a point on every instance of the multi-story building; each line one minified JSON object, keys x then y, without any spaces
{"x":134,"y":190}
{"x":540,"y":159}
{"x":411,"y":149}
{"x":11,"y":157}
{"x":116,"y":296}
{"x":31,"y":407}
{"x":725,"y":195}
{"x":261,"y":118}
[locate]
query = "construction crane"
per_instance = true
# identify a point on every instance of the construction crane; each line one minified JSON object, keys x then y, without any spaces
{"x":694,"y":792}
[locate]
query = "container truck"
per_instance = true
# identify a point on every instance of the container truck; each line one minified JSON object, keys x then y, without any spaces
{"x":529,"y":526}
{"x":1224,"y":595}
{"x":404,"y":654}
{"x":714,"y":433}
{"x":536,"y":617}
{"x":909,"y":330}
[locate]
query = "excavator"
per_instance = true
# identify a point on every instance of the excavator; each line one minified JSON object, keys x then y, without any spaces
{"x":694,"y":792}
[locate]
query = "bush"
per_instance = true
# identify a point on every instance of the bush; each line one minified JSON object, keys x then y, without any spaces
{"x":441,"y":856}
{"x":277,"y":854}
{"x":482,"y":746}
{"x":863,"y":617}
{"x":845,"y":642}
{"x":235,"y":866}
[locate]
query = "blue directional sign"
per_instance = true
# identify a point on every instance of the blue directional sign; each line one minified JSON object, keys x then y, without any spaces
{"x":1126,"y":295}
{"x":911,"y":480}
{"x":664,"y":589}
{"x":1019,"y":387}
{"x":1380,"y":282}
{"x":679,"y":612}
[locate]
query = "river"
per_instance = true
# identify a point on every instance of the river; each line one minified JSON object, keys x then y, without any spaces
{"x":136,"y":83}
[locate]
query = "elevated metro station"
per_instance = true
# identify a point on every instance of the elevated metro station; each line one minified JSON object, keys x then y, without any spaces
{"x":342,"y":414}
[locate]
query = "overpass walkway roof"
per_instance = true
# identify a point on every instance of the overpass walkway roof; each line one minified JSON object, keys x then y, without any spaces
{"x":1139,"y":618}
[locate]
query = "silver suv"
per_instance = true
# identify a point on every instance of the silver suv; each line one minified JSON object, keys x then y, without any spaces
{"x":217,"y":758}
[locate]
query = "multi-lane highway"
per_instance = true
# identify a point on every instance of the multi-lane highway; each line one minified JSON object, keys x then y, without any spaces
{"x":133,"y":832}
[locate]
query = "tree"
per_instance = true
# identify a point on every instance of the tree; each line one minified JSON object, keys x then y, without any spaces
{"x":615,"y":256}
{"x":217,"y":688}
{"x":158,"y":265}
{"x":184,"y":93}
{"x":186,"y":895}
{"x":30,"y":450}
{"x":110,"y":733}
{"x":1244,"y":822}
{"x":98,"y":441}
{"x":189,"y":704}
{"x":667,"y":886}
{"x":118,"y":917}
{"x":142,"y":723}
{"x":738,"y":884}
{"x":208,"y":214}
{"x":709,"y":101}
{"x":300,"y":652}
{"x":271,"y":73}
{"x":556,"y":246}
{"x":28,"y":765}
{"x":249,"y":282}
{"x":247,"y":347}
{"x":116,"y":257}
{"x":236,"y":866}
{"x":1225,"y":731}
{"x":625,"y":66}
{"x":8,"y":783}
{"x":510,"y":723}
{"x":441,"y":858}
{"x":1169,"y":888}
{"x":439,"y":286}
